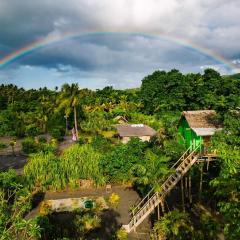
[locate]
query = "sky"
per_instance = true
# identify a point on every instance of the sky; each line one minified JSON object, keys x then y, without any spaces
{"x":100,"y":43}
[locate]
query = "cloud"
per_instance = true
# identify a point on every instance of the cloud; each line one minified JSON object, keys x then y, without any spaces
{"x":211,"y":24}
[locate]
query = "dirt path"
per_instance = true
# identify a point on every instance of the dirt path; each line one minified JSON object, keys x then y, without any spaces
{"x":67,"y":142}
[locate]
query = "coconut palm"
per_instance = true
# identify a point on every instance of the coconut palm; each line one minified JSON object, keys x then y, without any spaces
{"x":69,"y":99}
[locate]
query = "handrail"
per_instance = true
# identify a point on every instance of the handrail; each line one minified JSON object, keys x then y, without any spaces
{"x":148,"y":194}
{"x":139,"y":208}
{"x":182,"y":157}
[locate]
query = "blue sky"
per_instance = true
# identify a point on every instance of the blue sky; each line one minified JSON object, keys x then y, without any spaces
{"x":120,"y":60}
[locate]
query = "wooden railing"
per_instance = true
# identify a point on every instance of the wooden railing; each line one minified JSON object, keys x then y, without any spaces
{"x":152,"y":199}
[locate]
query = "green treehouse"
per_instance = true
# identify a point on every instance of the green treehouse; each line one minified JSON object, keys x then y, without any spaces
{"x":197,"y":127}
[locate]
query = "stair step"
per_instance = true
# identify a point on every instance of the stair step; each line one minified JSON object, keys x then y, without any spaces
{"x":151,"y":201}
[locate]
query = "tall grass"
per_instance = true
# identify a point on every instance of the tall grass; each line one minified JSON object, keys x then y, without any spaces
{"x":51,"y":172}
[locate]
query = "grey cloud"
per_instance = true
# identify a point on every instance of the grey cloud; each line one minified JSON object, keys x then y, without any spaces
{"x":211,"y":24}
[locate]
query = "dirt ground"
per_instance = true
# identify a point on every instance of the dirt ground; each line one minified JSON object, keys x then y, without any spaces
{"x":8,"y":159}
{"x":17,"y":160}
{"x":112,"y":219}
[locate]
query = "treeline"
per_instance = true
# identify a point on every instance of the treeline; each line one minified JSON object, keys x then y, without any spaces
{"x":172,"y":90}
{"x":31,"y":112}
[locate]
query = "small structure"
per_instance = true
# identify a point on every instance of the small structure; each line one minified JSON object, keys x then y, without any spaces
{"x":141,"y":131}
{"x":197,"y":127}
{"x":120,"y":119}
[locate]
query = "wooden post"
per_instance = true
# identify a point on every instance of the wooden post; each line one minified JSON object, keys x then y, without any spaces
{"x":201,"y":179}
{"x":163,"y":207}
{"x":182,"y":193}
{"x":190,"y":189}
{"x":186,"y":186}
{"x":208,"y":163}
{"x":158,"y":211}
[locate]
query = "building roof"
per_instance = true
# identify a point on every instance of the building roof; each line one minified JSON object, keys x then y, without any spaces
{"x":202,"y":122}
{"x":118,"y":118}
{"x":134,"y":130}
{"x":205,"y":131}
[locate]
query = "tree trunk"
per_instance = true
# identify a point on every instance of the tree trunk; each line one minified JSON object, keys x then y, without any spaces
{"x":66,"y":129}
{"x":75,"y":121}
{"x":13,"y":152}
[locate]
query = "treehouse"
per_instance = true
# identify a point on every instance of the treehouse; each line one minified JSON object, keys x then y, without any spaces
{"x":197,"y":127}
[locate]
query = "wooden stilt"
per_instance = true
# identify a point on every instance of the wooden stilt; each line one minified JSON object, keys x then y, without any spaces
{"x":190,"y":188}
{"x":208,"y":164}
{"x":201,"y":179}
{"x":186,"y":186}
{"x":163,"y":207}
{"x":182,"y":193}
{"x":158,"y":211}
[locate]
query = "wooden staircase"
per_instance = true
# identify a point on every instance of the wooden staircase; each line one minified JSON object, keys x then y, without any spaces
{"x":153,"y":199}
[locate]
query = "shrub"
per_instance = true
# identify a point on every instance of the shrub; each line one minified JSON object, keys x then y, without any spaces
{"x":32,"y":130}
{"x":114,"y":199}
{"x":122,"y":234}
{"x":29,"y":146}
{"x":101,"y":144}
{"x":3,"y":145}
{"x":47,"y":147}
{"x":57,"y":133}
{"x":82,"y":140}
{"x":42,"y":139}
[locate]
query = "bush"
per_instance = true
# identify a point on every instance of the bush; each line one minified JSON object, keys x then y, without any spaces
{"x":47,"y":147}
{"x":101,"y":144}
{"x":57,"y":133}
{"x":29,"y":146}
{"x":82,"y":140}
{"x":32,"y":130}
{"x":42,"y":139}
{"x":3,"y":145}
{"x":114,"y":200}
{"x":122,"y":234}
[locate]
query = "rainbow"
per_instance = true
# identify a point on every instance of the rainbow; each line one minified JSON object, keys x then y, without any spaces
{"x":52,"y":39}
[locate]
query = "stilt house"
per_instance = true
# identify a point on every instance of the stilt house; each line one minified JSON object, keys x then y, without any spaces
{"x":197,"y":127}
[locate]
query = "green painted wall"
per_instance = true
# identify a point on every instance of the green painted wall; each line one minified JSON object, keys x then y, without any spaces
{"x":188,"y":136}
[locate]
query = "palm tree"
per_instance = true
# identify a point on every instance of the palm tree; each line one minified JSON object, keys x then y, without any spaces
{"x":69,"y":99}
{"x":44,"y":109}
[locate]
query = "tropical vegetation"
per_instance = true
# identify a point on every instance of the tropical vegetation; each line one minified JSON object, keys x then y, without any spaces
{"x":42,"y":118}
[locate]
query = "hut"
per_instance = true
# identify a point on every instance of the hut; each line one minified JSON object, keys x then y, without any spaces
{"x":197,"y":127}
{"x":141,"y":131}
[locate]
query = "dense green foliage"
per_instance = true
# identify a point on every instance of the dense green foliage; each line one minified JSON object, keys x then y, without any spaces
{"x":172,"y":90}
{"x":136,"y":162}
{"x":15,"y":202}
{"x":99,"y":156}
{"x":227,"y":184}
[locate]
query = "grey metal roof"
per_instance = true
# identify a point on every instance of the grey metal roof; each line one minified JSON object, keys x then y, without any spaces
{"x":134,"y":130}
{"x":205,"y":131}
